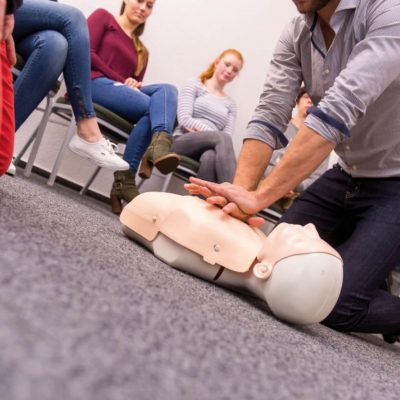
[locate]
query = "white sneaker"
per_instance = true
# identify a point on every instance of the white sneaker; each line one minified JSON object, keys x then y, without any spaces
{"x":11,"y":169}
{"x":102,"y":153}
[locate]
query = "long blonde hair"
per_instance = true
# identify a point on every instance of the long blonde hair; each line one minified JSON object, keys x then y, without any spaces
{"x":209,"y":72}
{"x":142,"y":52}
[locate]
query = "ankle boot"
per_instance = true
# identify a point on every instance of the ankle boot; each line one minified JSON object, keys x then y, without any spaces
{"x":123,"y":189}
{"x":158,"y":154}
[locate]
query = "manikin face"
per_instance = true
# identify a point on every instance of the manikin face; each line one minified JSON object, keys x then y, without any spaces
{"x":227,"y":67}
{"x":306,"y":6}
{"x":137,"y":11}
{"x":304,"y":104}
{"x":288,"y":240}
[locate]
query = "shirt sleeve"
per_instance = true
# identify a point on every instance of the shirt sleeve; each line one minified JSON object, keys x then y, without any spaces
{"x":372,"y":66}
{"x":186,"y":99}
{"x":277,"y":99}
{"x":97,"y":24}
{"x":230,"y":126}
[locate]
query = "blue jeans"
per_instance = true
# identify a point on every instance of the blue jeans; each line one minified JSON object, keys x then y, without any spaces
{"x":360,"y":218}
{"x":53,"y":38}
{"x":152,"y":109}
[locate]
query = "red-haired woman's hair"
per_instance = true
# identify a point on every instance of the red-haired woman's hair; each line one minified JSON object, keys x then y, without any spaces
{"x":209,"y":72}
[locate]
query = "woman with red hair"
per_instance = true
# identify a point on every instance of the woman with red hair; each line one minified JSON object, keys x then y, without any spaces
{"x":206,"y":118}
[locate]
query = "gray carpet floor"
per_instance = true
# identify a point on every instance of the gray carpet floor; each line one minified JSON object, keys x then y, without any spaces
{"x":86,"y":313}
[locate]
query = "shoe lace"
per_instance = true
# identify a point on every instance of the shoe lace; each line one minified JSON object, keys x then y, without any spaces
{"x":112,"y":148}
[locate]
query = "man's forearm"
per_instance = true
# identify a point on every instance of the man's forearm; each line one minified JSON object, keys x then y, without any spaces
{"x":253,"y":161}
{"x":304,"y":154}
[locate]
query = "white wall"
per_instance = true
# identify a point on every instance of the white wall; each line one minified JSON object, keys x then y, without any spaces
{"x":183,"y":37}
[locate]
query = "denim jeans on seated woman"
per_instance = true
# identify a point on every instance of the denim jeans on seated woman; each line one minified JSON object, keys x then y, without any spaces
{"x":53,"y":39}
{"x":152,"y":109}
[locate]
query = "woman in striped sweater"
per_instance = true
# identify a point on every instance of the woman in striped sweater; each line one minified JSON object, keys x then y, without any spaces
{"x":206,"y":119}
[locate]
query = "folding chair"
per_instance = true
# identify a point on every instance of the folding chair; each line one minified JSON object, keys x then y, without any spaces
{"x":38,"y":131}
{"x":112,"y":126}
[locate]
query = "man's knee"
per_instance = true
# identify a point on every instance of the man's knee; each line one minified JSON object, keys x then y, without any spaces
{"x":345,"y":317}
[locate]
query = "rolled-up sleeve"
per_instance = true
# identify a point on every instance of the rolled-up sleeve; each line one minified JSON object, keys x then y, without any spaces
{"x":373,"y":65}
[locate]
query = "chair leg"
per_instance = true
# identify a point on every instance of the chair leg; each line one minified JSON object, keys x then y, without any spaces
{"x":26,"y":147}
{"x":167,"y":181}
{"x":38,"y":136}
{"x":140,"y":182}
{"x":61,"y":153}
{"x":90,"y":181}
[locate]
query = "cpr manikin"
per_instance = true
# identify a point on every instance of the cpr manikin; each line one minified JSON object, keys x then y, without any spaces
{"x":293,"y":269}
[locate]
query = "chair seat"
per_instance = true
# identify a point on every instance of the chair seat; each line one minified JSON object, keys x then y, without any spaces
{"x":112,"y":118}
{"x":186,"y":168}
{"x":188,"y":162}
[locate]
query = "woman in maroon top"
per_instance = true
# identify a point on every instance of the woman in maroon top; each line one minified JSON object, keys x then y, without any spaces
{"x":119,"y":61}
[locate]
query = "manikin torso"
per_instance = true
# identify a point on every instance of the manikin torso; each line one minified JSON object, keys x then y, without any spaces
{"x":293,"y":269}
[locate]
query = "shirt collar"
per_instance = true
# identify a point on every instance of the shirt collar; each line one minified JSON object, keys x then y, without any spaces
{"x":309,"y":18}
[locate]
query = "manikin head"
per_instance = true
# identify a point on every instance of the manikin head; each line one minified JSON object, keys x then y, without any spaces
{"x":303,"y":273}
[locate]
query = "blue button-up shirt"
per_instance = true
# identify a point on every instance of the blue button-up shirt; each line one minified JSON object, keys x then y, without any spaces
{"x":355,"y":85}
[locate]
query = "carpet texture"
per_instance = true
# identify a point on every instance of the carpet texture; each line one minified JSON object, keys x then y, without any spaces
{"x":86,"y":313}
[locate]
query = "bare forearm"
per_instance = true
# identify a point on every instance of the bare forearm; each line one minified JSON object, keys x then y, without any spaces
{"x":253,"y":160}
{"x":305,"y":153}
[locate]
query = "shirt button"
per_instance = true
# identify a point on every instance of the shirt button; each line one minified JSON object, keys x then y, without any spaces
{"x":354,"y":167}
{"x":326,"y":72}
{"x":347,"y":147}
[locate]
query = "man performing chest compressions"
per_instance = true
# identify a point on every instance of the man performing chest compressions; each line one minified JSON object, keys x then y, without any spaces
{"x":297,"y":273}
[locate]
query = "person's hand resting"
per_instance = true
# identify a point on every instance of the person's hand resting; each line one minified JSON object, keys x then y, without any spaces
{"x":234,"y":200}
{"x":133,"y":83}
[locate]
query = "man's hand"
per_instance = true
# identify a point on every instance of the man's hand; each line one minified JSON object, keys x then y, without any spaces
{"x":234,"y":200}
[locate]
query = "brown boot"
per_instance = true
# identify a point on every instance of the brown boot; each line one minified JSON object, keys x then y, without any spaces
{"x":158,"y":154}
{"x":123,"y":189}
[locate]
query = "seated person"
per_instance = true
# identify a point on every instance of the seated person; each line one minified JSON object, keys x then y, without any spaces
{"x":53,"y":39}
{"x":297,"y":273}
{"x":7,"y":59}
{"x":119,"y":61}
{"x":206,"y":119}
{"x":303,"y":103}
